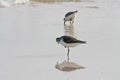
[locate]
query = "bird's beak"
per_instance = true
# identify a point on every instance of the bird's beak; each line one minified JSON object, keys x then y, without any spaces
{"x":58,"y":40}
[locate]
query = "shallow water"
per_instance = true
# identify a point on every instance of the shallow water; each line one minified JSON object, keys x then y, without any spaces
{"x":28,"y":48}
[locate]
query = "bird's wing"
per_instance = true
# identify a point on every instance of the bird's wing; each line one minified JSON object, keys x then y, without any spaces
{"x":68,"y":14}
{"x":69,"y":39}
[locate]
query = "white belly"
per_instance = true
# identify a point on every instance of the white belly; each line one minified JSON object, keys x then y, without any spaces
{"x":71,"y":17}
{"x":68,"y":44}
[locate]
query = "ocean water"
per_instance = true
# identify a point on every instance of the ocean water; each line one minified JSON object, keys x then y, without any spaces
{"x":28,"y":48}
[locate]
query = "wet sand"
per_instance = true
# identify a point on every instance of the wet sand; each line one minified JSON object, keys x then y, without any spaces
{"x":28,"y":48}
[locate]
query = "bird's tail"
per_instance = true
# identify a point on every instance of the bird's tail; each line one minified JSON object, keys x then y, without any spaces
{"x":82,"y":42}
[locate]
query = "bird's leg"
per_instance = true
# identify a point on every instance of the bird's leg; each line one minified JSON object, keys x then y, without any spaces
{"x":72,"y":21}
{"x":68,"y":54}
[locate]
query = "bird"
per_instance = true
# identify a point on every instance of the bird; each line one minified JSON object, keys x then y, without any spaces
{"x":69,"y":41}
{"x":70,"y":16}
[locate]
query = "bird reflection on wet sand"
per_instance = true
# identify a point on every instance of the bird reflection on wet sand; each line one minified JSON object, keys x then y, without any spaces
{"x":69,"y":30}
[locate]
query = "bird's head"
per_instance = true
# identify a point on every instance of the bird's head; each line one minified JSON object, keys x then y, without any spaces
{"x":58,"y":40}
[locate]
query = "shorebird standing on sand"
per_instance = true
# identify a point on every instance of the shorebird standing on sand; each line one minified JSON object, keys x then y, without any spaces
{"x":70,"y":16}
{"x":68,"y":41}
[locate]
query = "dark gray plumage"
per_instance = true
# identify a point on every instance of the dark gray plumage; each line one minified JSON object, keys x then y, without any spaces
{"x":70,"y":13}
{"x":70,"y":40}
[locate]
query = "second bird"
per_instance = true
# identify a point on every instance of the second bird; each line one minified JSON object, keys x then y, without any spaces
{"x":70,"y":16}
